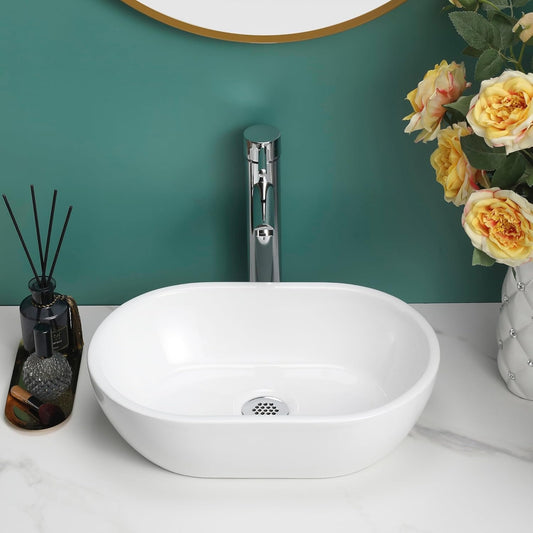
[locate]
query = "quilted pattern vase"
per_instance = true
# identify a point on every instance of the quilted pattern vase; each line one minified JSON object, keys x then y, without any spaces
{"x":515,"y":331}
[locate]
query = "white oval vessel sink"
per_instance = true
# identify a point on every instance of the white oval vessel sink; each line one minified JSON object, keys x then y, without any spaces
{"x":331,"y":377}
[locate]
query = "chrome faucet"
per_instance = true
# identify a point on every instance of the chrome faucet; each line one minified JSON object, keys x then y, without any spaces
{"x":262,"y":149}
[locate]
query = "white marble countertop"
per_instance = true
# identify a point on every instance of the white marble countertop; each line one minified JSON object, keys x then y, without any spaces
{"x":466,"y":466}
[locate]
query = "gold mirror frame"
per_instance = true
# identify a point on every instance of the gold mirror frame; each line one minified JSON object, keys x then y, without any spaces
{"x":282,"y":38}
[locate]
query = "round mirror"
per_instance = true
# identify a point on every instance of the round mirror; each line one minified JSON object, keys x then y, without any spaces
{"x":270,"y":22}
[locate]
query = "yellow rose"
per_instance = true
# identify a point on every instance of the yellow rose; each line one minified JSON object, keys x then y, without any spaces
{"x":500,"y":223}
{"x":442,"y":85}
{"x":502,"y":112}
{"x":456,"y":175}
{"x":526,"y":23}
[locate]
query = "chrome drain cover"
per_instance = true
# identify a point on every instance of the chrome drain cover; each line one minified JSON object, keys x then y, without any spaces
{"x":265,"y":406}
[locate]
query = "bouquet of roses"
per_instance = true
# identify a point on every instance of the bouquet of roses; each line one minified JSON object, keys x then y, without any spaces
{"x":484,"y":157}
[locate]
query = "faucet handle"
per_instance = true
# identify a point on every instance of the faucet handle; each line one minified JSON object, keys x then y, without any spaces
{"x":261,"y":138}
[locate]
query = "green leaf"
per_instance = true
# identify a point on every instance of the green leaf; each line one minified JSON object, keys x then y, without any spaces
{"x":508,"y":173}
{"x":462,"y":105}
{"x":472,"y":52}
{"x":453,"y":117}
{"x":517,"y":3}
{"x":524,"y":190}
{"x":480,"y":155}
{"x":480,"y":258}
{"x":501,"y":4}
{"x":489,"y":65}
{"x":529,"y":42}
{"x":475,"y":29}
{"x":503,"y":24}
{"x":527,"y":176}
{"x":496,"y":4}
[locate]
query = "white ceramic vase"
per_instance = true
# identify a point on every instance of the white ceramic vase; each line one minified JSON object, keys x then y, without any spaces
{"x":515,"y":331}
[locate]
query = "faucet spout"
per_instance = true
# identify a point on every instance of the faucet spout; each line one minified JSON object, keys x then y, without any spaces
{"x":262,"y":149}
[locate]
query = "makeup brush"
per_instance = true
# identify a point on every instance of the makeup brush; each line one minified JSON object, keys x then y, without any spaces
{"x":48,"y":414}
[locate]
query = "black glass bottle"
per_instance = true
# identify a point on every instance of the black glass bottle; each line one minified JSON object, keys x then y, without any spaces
{"x":44,"y":305}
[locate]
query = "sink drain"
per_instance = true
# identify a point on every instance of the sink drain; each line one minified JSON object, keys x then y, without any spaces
{"x":265,"y":406}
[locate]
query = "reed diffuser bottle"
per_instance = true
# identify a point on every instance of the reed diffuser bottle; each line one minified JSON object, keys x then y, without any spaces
{"x":44,"y":305}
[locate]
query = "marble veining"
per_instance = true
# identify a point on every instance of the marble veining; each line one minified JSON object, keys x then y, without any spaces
{"x":471,"y":454}
{"x":39,"y":500}
{"x":466,"y":445}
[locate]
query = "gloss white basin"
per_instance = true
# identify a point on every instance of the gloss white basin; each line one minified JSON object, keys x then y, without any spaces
{"x":173,"y":368}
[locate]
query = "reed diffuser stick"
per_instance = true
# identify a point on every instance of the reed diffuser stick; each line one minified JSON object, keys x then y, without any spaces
{"x":60,"y":243}
{"x":42,"y":280}
{"x":38,"y":231}
{"x":50,"y":223}
{"x":21,"y":239}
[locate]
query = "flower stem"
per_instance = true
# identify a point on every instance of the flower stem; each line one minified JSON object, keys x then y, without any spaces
{"x":522,"y":50}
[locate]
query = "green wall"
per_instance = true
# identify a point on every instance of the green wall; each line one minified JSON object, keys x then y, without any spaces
{"x":139,"y":126}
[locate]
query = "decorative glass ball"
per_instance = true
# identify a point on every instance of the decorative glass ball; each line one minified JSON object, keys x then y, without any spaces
{"x":46,"y":377}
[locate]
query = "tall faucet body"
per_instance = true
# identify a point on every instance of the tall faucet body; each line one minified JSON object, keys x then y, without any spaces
{"x":262,"y":150}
